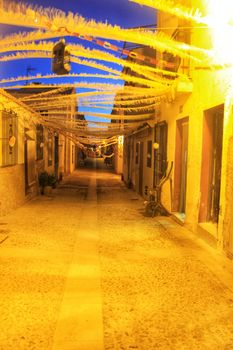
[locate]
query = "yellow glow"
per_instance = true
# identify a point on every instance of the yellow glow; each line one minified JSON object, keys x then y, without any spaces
{"x":120,"y":140}
{"x":219,"y":18}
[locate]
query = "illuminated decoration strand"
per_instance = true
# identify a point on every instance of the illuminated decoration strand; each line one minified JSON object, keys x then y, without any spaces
{"x":56,"y":20}
{"x":148,"y":72}
{"x":94,"y":64}
{"x":140,"y":71}
{"x":120,"y":109}
{"x":59,"y":90}
{"x":146,"y":103}
{"x":86,"y":52}
{"x":41,"y":54}
{"x":119,"y":98}
{"x":75,"y":75}
{"x":173,"y":8}
{"x":52,"y":76}
{"x":92,"y":135}
{"x":138,"y":91}
{"x":139,"y":100}
{"x":136,"y":102}
{"x":78,"y":95}
{"x":86,"y":122}
{"x":89,"y":130}
{"x":106,"y":116}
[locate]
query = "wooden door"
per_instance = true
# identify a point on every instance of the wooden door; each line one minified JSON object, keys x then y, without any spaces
{"x":160,"y":154}
{"x":181,"y":165}
{"x":184,"y":165}
{"x":26,"y":163}
{"x":211,"y":165}
{"x":56,"y":156}
{"x":141,"y":168}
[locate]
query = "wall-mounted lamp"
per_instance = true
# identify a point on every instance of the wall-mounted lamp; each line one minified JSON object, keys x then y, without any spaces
{"x":12,"y":141}
{"x":156,"y":145}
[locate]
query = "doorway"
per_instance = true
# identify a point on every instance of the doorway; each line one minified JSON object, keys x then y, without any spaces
{"x":181,"y":165}
{"x":56,"y":156}
{"x":141,"y":168}
{"x":160,"y":154}
{"x":26,"y":181}
{"x":211,"y":164}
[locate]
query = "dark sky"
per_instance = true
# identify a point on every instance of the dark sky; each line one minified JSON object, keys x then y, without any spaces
{"x":117,"y":12}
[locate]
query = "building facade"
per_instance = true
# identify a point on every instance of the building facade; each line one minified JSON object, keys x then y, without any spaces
{"x":192,"y":130}
{"x":18,"y":180}
{"x":31,"y":143}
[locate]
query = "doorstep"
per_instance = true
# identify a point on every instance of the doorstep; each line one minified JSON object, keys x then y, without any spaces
{"x":209,"y":232}
{"x":178,"y":217}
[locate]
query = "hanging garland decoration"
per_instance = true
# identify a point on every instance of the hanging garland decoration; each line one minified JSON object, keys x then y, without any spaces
{"x":105,"y":116}
{"x":136,"y":104}
{"x":105,"y":56}
{"x":104,"y":133}
{"x":125,"y":77}
{"x":84,"y":123}
{"x":52,"y":76}
{"x":123,"y":99}
{"x":78,"y":24}
{"x":63,"y":97}
{"x":115,"y":109}
{"x":131,"y":92}
{"x":146,"y":71}
{"x":90,"y":130}
{"x":89,"y":53}
{"x":98,"y":86}
{"x":102,"y":103}
{"x":71,"y":24}
{"x":126,"y":109}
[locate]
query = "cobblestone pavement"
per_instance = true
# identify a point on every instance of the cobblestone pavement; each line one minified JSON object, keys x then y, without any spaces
{"x":160,"y":288}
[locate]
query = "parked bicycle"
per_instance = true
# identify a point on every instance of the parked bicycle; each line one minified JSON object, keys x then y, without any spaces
{"x":154,"y":206}
{"x":108,"y":160}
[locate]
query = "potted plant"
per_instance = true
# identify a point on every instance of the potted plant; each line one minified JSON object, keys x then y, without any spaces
{"x":43,"y":181}
{"x":47,"y":182}
{"x":52,"y":180}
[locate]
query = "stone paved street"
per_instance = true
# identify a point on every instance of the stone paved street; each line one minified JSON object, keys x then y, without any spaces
{"x":85,"y":269}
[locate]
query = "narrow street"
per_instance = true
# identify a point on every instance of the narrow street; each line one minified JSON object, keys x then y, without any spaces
{"x":84,"y":269}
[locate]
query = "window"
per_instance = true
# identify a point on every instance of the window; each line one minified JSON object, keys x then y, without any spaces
{"x":39,"y":142}
{"x":149,"y":154}
{"x":9,"y":138}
